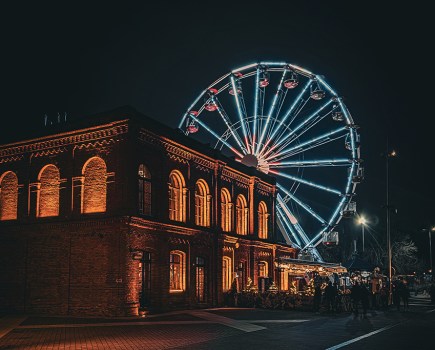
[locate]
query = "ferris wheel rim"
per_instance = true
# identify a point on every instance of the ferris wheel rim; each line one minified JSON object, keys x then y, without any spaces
{"x":246,"y":138}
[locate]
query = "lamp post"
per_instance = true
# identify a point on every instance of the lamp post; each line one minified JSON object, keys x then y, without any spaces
{"x":390,"y":154}
{"x":430,"y":230}
{"x":362,"y":221}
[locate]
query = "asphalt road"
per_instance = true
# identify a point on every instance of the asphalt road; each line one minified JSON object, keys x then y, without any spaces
{"x":228,"y":328}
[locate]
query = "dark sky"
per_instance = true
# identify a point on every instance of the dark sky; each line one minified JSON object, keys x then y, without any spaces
{"x":157,"y":58}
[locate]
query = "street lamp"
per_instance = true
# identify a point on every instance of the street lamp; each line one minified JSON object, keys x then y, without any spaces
{"x":430,"y":230}
{"x":390,"y":154}
{"x":362,"y":221}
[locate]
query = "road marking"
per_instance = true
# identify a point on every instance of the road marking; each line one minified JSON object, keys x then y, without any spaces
{"x":8,"y":323}
{"x":354,"y":340}
{"x":240,"y":325}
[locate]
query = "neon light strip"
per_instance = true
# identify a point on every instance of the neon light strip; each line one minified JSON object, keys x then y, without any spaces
{"x":241,"y":117}
{"x":272,"y":108}
{"x":325,"y":84}
{"x":244,"y":67}
{"x":300,"y":146}
{"x":299,"y":229}
{"x":229,"y":126}
{"x":303,"y":205}
{"x":301,"y":69}
{"x":312,"y":163}
{"x":273,"y":63}
{"x":190,"y":108}
{"x":305,"y":182}
{"x":218,"y":137}
{"x":305,"y":128}
{"x":289,"y":111}
{"x":285,"y":225}
{"x":257,"y":91}
{"x":289,"y":214}
{"x":313,"y":115}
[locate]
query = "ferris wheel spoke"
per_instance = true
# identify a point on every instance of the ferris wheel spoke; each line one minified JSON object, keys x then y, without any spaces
{"x":291,"y":220}
{"x":271,"y":111}
{"x":313,"y":122}
{"x":303,"y":205}
{"x":306,"y":182}
{"x":220,"y":139}
{"x":230,"y":126}
{"x":314,"y":142}
{"x":298,"y":228}
{"x":311,"y":163}
{"x":307,"y":121}
{"x":241,"y":112}
{"x":287,"y":227}
{"x":292,"y":108}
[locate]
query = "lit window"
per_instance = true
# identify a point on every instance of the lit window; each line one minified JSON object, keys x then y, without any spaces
{"x":263,"y":218}
{"x":200,"y":279}
{"x":241,"y":215}
{"x":227,"y":273}
{"x":144,"y":194}
{"x":202,"y":204}
{"x":283,"y":279}
{"x":263,"y":270}
{"x":8,"y":196}
{"x":177,"y":197}
{"x":226,"y":211}
{"x":48,"y":192}
{"x":177,"y":271}
{"x":94,"y":186}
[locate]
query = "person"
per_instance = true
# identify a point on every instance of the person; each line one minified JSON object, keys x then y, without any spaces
{"x":405,"y":294}
{"x":384,"y":296}
{"x":355,"y":295}
{"x":364,"y":299}
{"x":317,"y":298}
{"x":330,"y":294}
{"x":396,"y":294}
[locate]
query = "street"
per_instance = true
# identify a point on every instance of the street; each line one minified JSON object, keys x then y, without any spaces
{"x":228,"y":328}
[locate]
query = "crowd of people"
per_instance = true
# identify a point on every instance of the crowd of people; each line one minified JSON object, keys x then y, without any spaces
{"x":362,"y":298}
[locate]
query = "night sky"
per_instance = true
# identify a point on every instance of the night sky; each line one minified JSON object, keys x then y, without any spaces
{"x":157,"y":58}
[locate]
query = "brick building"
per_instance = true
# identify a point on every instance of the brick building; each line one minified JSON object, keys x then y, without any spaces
{"x":100,"y":215}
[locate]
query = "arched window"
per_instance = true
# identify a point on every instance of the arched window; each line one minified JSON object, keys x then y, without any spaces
{"x":263,"y":269}
{"x":8,"y":196}
{"x":48,"y":192}
{"x":227,"y":273}
{"x":263,"y":218}
{"x":241,"y":215}
{"x":226,"y":211}
{"x":144,"y":194}
{"x":94,"y":186}
{"x":202,"y":204}
{"x":177,"y":271}
{"x":177,"y":197}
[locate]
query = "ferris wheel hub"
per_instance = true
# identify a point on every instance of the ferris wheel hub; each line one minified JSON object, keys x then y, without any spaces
{"x":254,"y":161}
{"x":250,"y":160}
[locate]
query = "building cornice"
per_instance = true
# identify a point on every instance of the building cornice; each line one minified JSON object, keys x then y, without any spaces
{"x":63,"y":139}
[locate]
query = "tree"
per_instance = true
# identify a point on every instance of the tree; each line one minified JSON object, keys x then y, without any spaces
{"x":404,"y":255}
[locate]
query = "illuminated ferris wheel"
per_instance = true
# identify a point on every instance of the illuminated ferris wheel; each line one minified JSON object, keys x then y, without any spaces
{"x":288,"y":122}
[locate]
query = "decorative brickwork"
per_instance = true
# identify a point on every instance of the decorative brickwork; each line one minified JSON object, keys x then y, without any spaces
{"x":8,"y":196}
{"x":75,"y":239}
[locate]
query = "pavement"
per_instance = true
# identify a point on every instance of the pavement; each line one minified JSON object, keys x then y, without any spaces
{"x":226,"y":328}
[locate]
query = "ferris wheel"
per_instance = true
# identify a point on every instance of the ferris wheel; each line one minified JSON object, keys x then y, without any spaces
{"x":287,"y":122}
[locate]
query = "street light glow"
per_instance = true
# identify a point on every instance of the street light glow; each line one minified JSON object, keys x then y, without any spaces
{"x":362,"y":220}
